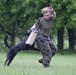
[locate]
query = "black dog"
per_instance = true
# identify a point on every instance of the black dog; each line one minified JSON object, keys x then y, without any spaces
{"x":15,"y":49}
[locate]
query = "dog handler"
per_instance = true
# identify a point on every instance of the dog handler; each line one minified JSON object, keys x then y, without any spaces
{"x":44,"y":42}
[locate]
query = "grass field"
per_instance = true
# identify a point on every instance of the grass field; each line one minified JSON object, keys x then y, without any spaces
{"x":27,"y":64}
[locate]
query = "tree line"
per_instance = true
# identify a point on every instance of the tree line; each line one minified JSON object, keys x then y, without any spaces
{"x":16,"y":16}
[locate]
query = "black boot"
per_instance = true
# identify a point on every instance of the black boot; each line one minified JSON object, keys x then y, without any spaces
{"x":45,"y":65}
{"x":40,"y":61}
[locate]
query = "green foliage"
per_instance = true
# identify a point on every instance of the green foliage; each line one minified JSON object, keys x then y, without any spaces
{"x":24,"y":13}
{"x":16,"y":16}
{"x":66,"y":13}
{"x":19,"y":13}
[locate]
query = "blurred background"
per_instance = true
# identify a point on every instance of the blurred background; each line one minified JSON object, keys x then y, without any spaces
{"x":17,"y":16}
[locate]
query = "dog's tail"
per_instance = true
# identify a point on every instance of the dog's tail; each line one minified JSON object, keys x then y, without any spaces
{"x":6,"y":43}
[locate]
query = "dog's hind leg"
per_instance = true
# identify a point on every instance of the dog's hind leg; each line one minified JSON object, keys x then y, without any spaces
{"x":13,"y":54}
{"x":5,"y":62}
{"x":8,"y":55}
{"x":10,"y":60}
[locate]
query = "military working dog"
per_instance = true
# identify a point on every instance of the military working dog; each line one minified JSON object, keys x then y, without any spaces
{"x":12,"y":52}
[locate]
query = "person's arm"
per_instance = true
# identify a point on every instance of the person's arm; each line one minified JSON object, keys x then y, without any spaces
{"x":53,"y":15}
{"x":33,"y":27}
{"x":38,"y":24}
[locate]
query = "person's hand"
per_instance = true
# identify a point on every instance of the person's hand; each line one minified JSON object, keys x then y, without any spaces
{"x":51,"y":8}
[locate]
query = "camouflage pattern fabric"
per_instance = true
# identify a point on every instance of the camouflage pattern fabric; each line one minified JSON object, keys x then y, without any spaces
{"x":47,"y":48}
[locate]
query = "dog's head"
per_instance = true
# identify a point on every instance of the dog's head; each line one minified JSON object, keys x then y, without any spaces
{"x":28,"y":32}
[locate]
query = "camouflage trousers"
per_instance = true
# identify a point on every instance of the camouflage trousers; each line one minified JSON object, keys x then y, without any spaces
{"x":47,"y":49}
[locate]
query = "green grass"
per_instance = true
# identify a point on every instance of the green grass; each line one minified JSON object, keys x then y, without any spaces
{"x":27,"y":64}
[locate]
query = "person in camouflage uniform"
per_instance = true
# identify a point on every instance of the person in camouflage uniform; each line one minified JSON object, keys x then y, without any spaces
{"x":43,"y":40}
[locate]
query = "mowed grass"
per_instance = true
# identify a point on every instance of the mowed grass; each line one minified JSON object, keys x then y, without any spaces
{"x":27,"y":64}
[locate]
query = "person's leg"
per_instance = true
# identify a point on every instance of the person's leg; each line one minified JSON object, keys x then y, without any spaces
{"x":46,"y":52}
{"x":53,"y":47}
{"x":39,"y":46}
